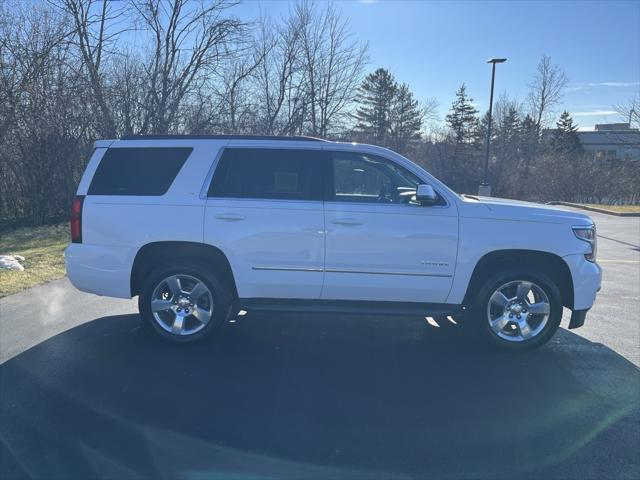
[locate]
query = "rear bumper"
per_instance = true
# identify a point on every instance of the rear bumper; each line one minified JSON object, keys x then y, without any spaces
{"x":100,"y":269}
{"x":587,"y":279}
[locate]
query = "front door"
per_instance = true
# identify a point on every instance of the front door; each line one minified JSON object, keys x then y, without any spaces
{"x":380,"y":244}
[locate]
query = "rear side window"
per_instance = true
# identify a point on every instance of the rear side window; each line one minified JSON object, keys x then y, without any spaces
{"x":138,"y":171}
{"x":268,"y":174}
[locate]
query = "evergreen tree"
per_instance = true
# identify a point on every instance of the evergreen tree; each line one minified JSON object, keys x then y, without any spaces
{"x":508,"y":131}
{"x":529,"y":137}
{"x":375,"y":98}
{"x":464,"y":165}
{"x":463,"y":119}
{"x":565,"y":139}
{"x":406,"y":118}
{"x":529,"y":150}
{"x":506,"y":148}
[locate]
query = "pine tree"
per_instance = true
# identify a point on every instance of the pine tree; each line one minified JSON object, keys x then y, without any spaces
{"x":529,"y":150}
{"x":375,"y":98}
{"x":565,"y":139}
{"x":406,"y":118}
{"x":463,"y":119}
{"x":464,"y":162}
{"x":508,"y":130}
{"x":506,"y":148}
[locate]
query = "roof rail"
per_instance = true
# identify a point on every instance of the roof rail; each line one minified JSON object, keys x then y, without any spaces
{"x":222,"y":137}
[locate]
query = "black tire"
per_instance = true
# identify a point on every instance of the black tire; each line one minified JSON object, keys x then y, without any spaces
{"x":486,"y":286}
{"x":221,"y":293}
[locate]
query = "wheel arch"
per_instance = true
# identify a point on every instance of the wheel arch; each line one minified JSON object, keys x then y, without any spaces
{"x":153,"y":254}
{"x":550,"y":263}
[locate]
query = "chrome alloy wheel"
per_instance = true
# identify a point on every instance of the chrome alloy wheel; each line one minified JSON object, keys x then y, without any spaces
{"x":182,"y":305}
{"x":518,"y":311}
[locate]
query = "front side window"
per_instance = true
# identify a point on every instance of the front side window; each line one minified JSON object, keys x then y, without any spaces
{"x":278,"y":174}
{"x":367,"y":178}
{"x":137,"y":171}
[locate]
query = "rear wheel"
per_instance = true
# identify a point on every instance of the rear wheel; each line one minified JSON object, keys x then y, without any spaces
{"x":518,"y":309}
{"x":184,"y":302}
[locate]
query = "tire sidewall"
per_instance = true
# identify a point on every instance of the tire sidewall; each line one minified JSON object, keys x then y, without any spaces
{"x":220,"y":293}
{"x":491,"y":284}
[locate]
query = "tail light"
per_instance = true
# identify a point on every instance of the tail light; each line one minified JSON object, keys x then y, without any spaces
{"x":76,"y":219}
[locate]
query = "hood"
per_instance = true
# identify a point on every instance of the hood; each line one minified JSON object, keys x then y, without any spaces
{"x":502,"y":208}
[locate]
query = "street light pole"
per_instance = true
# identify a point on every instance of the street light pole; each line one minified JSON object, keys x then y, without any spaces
{"x":485,"y":188}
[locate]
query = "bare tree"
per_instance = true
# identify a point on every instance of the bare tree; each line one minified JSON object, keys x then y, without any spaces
{"x":546,"y":90}
{"x":281,"y":81}
{"x":233,"y":88}
{"x":128,"y":93}
{"x":630,"y":110}
{"x":188,"y":42}
{"x":44,"y":114}
{"x":96,"y":27}
{"x":26,"y":47}
{"x":333,"y":64}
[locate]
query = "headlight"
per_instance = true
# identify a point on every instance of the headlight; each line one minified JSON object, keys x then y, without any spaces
{"x":588,"y":234}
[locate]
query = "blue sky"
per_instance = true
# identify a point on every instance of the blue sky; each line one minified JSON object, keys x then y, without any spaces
{"x":434,"y":46}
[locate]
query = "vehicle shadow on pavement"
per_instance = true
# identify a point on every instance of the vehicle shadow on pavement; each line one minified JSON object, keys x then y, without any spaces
{"x":316,"y":397}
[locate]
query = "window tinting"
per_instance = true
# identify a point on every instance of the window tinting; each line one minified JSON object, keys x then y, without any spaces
{"x":137,"y":171}
{"x":371,"y":179}
{"x":268,"y":173}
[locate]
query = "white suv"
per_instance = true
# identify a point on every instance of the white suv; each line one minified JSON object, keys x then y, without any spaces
{"x":200,"y":227}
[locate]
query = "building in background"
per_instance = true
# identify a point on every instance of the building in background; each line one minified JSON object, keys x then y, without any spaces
{"x":612,"y":142}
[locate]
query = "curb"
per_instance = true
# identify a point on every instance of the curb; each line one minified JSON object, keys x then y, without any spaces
{"x":596,"y":209}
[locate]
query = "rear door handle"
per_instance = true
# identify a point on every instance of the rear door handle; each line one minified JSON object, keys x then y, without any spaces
{"x":346,"y":221}
{"x":232,"y":217}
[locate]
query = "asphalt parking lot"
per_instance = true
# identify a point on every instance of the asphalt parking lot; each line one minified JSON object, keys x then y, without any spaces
{"x":85,"y":392}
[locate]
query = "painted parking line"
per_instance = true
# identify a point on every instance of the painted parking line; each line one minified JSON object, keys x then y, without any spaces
{"x":621,"y":262}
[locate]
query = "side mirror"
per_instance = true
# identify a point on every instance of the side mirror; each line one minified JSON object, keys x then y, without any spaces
{"x":426,"y":195}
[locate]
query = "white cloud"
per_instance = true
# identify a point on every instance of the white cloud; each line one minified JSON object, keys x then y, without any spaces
{"x":594,"y":113}
{"x":618,"y":84}
{"x":581,"y":86}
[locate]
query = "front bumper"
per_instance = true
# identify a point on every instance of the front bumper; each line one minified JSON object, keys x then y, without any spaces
{"x":587,"y":279}
{"x":577,"y":318}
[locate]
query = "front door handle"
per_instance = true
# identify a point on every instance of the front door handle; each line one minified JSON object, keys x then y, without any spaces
{"x":232,"y":217}
{"x":346,"y":221}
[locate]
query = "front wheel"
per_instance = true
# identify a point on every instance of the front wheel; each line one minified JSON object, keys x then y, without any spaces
{"x":184,"y":302}
{"x":518,"y":310}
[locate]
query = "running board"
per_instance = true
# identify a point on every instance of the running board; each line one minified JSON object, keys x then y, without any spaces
{"x":351,"y":307}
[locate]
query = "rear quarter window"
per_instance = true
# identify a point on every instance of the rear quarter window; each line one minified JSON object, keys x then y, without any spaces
{"x":138,"y":171}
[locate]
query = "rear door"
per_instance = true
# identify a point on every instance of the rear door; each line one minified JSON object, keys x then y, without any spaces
{"x":381,"y":245}
{"x":265,"y":211}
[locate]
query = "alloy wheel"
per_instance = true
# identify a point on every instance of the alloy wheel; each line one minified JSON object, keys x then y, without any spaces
{"x":518,"y":311}
{"x":182,"y":304}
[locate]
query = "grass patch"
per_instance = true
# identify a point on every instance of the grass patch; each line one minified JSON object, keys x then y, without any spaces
{"x":617,"y":208}
{"x":42,"y":249}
